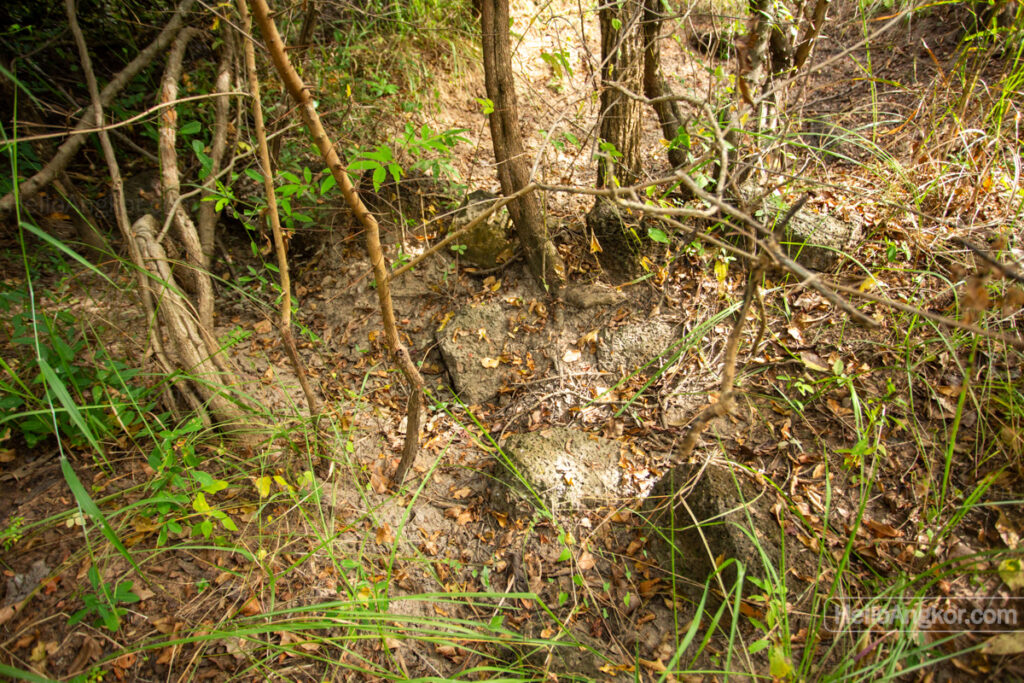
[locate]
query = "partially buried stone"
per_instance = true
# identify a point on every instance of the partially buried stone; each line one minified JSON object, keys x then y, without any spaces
{"x":817,"y":240}
{"x":487,"y":245}
{"x":564,"y":467}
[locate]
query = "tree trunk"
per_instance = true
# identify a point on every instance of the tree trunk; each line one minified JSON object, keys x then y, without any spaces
{"x":513,"y":171}
{"x":622,"y":59}
{"x":655,"y":86}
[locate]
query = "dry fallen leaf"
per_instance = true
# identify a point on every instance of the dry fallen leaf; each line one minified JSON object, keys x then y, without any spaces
{"x":384,"y":535}
{"x":586,"y":561}
{"x":813,"y":361}
{"x":1004,"y":644}
{"x":489,"y":362}
{"x":571,"y":356}
{"x":262,"y":327}
{"x":882,"y":530}
{"x":251,"y":607}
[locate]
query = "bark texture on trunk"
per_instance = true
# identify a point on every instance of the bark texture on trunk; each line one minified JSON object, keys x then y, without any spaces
{"x":509,"y":153}
{"x":622,"y":59}
{"x":655,"y":86}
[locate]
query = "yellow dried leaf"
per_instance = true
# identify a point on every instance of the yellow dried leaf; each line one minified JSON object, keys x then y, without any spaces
{"x":262,"y":486}
{"x":489,"y":362}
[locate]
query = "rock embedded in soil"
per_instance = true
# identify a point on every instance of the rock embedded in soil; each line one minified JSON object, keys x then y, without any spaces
{"x":631,"y":346}
{"x":708,"y":515}
{"x":592,"y":295}
{"x":474,"y":344}
{"x":816,"y":240}
{"x":488,"y":244}
{"x":564,"y":467}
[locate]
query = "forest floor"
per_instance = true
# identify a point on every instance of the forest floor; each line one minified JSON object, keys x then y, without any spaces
{"x":850,"y":433}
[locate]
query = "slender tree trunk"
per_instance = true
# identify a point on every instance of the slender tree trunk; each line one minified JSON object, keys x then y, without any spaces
{"x":169,"y":178}
{"x":655,"y":86}
{"x":222,"y":107}
{"x":513,"y":171}
{"x":209,"y":371}
{"x":803,"y":50}
{"x":622,"y":59}
{"x":280,"y":247}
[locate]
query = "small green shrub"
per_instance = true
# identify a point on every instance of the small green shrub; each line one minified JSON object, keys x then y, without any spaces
{"x":107,"y":391}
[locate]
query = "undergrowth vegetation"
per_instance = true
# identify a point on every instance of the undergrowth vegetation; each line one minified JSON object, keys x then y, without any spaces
{"x":144,"y":539}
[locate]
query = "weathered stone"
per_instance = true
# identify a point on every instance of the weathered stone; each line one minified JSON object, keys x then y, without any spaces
{"x":626,"y":348}
{"x":563,"y":466}
{"x":688,"y":397}
{"x":488,"y":244}
{"x":591,"y":296}
{"x":707,"y":515}
{"x":472,"y":344}
{"x":817,"y":240}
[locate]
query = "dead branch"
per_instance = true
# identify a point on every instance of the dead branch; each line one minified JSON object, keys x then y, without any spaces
{"x":373,"y":249}
{"x":77,"y":136}
{"x":1005,"y":269}
{"x":452,"y":236}
{"x":280,"y":248}
{"x":725,"y":396}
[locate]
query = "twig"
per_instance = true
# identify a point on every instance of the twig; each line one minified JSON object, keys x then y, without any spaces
{"x":495,"y":206}
{"x":275,"y":219}
{"x":985,"y":255}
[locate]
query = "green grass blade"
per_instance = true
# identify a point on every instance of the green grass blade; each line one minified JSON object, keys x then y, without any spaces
{"x":90,"y":508}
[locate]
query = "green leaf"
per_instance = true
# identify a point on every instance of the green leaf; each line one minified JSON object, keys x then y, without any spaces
{"x":327,"y":184}
{"x":254,"y":174}
{"x":616,"y":24}
{"x":486,"y":104}
{"x":228,"y":523}
{"x":396,"y":171}
{"x":363,"y":165}
{"x":780,"y":666}
{"x":379,"y":175}
{"x":215,"y":486}
{"x":657,"y":235}
{"x":565,"y":555}
{"x":123,"y":593}
{"x":190,"y":128}
{"x":307,"y":175}
{"x":200,"y":505}
{"x":758,"y":645}
{"x":263,"y":486}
